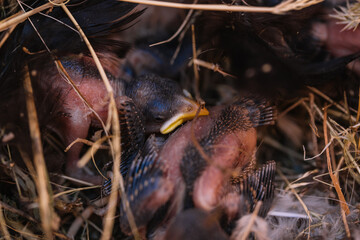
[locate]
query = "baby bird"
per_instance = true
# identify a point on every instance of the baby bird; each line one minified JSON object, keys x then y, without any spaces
{"x":194,"y":166}
{"x":219,"y":223}
{"x":227,"y":140}
{"x":156,"y":104}
{"x":338,"y":41}
{"x":58,"y":40}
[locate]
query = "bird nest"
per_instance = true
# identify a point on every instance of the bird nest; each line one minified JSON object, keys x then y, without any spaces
{"x":314,"y":141}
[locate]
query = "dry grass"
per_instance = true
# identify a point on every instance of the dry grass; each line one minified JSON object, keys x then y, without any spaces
{"x":42,"y":180}
{"x":337,"y":175}
{"x":349,"y":16}
{"x":282,"y":8}
{"x":47,"y":203}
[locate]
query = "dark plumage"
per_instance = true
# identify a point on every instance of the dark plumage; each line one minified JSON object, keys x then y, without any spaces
{"x":272,"y":55}
{"x":229,"y":144}
{"x":338,"y":41}
{"x":161,"y":100}
{"x":146,"y":187}
{"x":199,"y":224}
{"x":111,"y":17}
{"x":156,"y":104}
{"x":160,"y":103}
{"x":258,"y":186}
{"x":178,"y":176}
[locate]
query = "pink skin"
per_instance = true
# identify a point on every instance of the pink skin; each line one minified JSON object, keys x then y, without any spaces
{"x":171,"y":158}
{"x":78,"y":118}
{"x":155,"y":200}
{"x":231,"y":152}
{"x":172,"y":155}
{"x":207,"y":187}
{"x":230,"y":202}
{"x":339,"y":42}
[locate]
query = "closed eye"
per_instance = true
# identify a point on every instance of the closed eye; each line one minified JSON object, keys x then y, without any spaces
{"x":159,"y":119}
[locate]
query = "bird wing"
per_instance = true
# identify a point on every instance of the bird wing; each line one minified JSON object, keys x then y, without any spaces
{"x":256,"y":110}
{"x":111,"y":16}
{"x":259,"y":186}
{"x":147,"y":189}
{"x":132,"y":131}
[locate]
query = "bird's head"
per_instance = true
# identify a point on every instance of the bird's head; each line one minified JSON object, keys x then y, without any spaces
{"x":162,"y":101}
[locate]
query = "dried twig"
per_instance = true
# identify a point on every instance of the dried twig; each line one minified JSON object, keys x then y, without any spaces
{"x":346,"y":225}
{"x":319,"y":154}
{"x":42,"y":180}
{"x":349,"y":16}
{"x":358,"y":117}
{"x":212,"y":66}
{"x":281,"y":8}
{"x":91,"y":152}
{"x":7,"y":35}
{"x":251,"y":221}
{"x":339,"y":140}
{"x":180,"y":29}
{"x":75,"y":226}
{"x":17,"y":212}
{"x":316,"y":91}
{"x":23,"y":230}
{"x":94,"y":147}
{"x":3,"y":227}
{"x":297,"y":103}
{"x":11,"y":21}
{"x":299,"y":199}
{"x":335,"y":181}
{"x":77,"y":181}
{"x":115,"y":145}
{"x":74,"y":190}
{"x":196,"y":72}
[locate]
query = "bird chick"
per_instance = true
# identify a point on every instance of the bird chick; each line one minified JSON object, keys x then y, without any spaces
{"x":178,"y":176}
{"x":339,"y":41}
{"x":228,"y":149}
{"x":149,"y":192}
{"x":286,"y":44}
{"x":59,"y":40}
{"x":219,"y":223}
{"x":84,"y":103}
{"x":160,"y":102}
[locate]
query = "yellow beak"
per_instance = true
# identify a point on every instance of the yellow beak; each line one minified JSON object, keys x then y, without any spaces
{"x":188,"y":112}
